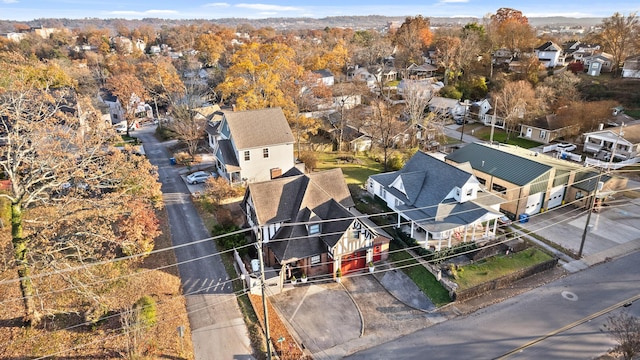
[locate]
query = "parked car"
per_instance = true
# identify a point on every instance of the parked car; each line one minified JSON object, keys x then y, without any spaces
{"x":199,"y":177}
{"x":566,"y":147}
{"x":504,"y":220}
{"x":122,"y":128}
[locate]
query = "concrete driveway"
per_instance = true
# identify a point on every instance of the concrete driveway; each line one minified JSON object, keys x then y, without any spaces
{"x":333,"y":320}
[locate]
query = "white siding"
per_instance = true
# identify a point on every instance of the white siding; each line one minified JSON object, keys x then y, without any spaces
{"x":259,"y":168}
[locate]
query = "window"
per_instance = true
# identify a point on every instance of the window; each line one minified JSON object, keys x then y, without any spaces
{"x":482,"y":181}
{"x":543,"y":134}
{"x":115,"y":116}
{"x":315,"y":260}
{"x":470,"y":192}
{"x":579,"y":195}
{"x":314,"y":229}
{"x":498,"y":188}
{"x":247,"y":155}
{"x":265,"y":153}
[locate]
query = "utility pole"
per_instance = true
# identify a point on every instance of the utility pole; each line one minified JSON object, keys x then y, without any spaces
{"x":264,"y":299}
{"x":597,"y":188}
{"x":493,"y":119}
{"x":464,"y":119}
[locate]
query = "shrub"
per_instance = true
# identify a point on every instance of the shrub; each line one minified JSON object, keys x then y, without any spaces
{"x":146,"y":309}
{"x":310,"y":159}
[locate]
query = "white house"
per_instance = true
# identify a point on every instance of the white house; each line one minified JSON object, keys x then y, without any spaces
{"x":325,"y":77}
{"x":631,"y":67}
{"x":253,"y":145}
{"x":625,"y":140}
{"x":442,"y":204}
{"x":444,"y":105}
{"x":550,"y":54}
{"x":601,"y":62}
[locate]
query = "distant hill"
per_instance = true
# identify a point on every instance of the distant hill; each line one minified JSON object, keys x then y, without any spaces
{"x":354,"y":22}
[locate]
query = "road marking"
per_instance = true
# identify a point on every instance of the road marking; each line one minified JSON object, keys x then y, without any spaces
{"x":567,"y":327}
{"x":569,"y":296}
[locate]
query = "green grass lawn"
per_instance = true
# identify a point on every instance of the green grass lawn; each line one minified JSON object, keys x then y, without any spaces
{"x":355,"y":173}
{"x":633,"y":113}
{"x":423,"y":278}
{"x":500,"y":136}
{"x":498,"y":266}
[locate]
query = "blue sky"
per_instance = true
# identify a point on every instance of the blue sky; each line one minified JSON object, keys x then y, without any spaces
{"x":24,"y":10}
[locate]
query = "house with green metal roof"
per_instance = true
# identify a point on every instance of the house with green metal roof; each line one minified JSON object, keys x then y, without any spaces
{"x":439,"y":204}
{"x":528,"y":181}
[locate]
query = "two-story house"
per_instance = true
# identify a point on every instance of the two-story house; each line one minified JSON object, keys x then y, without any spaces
{"x":305,"y":224}
{"x":446,"y":106}
{"x":550,"y":54}
{"x":623,"y":142}
{"x":252,"y":145}
{"x":528,"y":181}
{"x":441,"y":204}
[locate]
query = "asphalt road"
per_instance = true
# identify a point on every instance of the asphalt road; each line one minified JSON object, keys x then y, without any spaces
{"x":538,"y":316}
{"x":218,"y":329}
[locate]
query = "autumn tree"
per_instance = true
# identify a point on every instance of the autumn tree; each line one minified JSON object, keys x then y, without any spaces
{"x":370,"y":47}
{"x":619,"y":37}
{"x":557,"y":90}
{"x":585,"y":116}
{"x":131,"y":94}
{"x":448,"y":49}
{"x":210,"y":46}
{"x":186,"y":123}
{"x":257,"y":76}
{"x":413,"y":36}
{"x":161,"y":81}
{"x":509,"y":28}
{"x":74,"y":199}
{"x":515,"y":103}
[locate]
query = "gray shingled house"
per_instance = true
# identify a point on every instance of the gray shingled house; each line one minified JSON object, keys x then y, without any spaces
{"x":253,"y":145}
{"x":305,"y":223}
{"x":440,"y":204}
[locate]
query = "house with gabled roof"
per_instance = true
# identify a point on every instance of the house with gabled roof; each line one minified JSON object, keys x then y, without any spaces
{"x":306,"y":225}
{"x":325,"y":76}
{"x":545,"y":129}
{"x":528,"y":181}
{"x":550,"y":54}
{"x":441,"y":204}
{"x":252,"y":145}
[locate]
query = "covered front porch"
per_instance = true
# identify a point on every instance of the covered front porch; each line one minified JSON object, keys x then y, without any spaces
{"x":436,"y":238}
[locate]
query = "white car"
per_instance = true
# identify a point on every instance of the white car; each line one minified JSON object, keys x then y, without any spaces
{"x":565,"y":147}
{"x":198,"y":177}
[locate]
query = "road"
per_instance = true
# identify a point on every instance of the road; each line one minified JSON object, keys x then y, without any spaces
{"x":495,"y":331}
{"x":217,"y":326}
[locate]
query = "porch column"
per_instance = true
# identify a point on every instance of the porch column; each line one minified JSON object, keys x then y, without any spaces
{"x":495,"y":226}
{"x":486,"y":229}
{"x":398,"y":226}
{"x":439,"y":244}
{"x":412,"y":228}
{"x":449,"y":242}
{"x":466,"y":229}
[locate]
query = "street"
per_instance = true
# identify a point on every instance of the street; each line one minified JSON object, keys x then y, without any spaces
{"x":501,"y":328}
{"x":217,"y":325}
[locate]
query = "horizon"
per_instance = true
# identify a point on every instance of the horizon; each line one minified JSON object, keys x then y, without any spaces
{"x":21,"y":10}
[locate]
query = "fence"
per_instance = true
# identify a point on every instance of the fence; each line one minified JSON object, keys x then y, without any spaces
{"x":610,"y":165}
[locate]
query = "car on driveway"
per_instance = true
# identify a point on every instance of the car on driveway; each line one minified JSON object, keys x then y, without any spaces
{"x":565,"y":147}
{"x":198,"y":177}
{"x":504,"y":221}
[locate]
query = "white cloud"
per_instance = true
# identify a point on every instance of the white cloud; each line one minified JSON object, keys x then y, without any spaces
{"x":9,"y":1}
{"x":268,"y":8}
{"x":218,"y":4}
{"x":143,"y":13}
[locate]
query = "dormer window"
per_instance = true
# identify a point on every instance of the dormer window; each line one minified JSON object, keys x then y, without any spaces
{"x":314,"y":229}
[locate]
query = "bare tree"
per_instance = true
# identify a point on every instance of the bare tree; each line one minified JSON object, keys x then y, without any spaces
{"x":625,"y":330}
{"x":385,"y":126}
{"x":516,"y":103}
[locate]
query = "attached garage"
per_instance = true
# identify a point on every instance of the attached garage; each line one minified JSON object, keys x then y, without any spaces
{"x":354,"y":261}
{"x":556,"y":195}
{"x":534,"y":203}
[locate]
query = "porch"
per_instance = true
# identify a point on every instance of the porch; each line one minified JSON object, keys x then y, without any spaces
{"x":477,"y":232}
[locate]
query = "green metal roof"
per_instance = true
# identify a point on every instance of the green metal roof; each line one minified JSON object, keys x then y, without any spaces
{"x":503,"y":165}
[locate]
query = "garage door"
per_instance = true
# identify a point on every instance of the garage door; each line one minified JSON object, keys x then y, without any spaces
{"x":555,"y":197}
{"x":534,"y":203}
{"x":353,"y":262}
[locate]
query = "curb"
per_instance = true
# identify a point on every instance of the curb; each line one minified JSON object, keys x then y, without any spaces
{"x":357,"y":308}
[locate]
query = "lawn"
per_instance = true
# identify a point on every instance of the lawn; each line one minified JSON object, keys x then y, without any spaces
{"x":355,"y":172}
{"x":633,"y":113}
{"x":498,"y":266}
{"x":500,"y":136}
{"x":422,"y":277}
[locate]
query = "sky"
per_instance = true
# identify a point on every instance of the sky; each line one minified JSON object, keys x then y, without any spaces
{"x":25,"y":10}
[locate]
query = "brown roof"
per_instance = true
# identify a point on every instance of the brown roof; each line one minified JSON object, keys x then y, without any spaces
{"x":257,"y":128}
